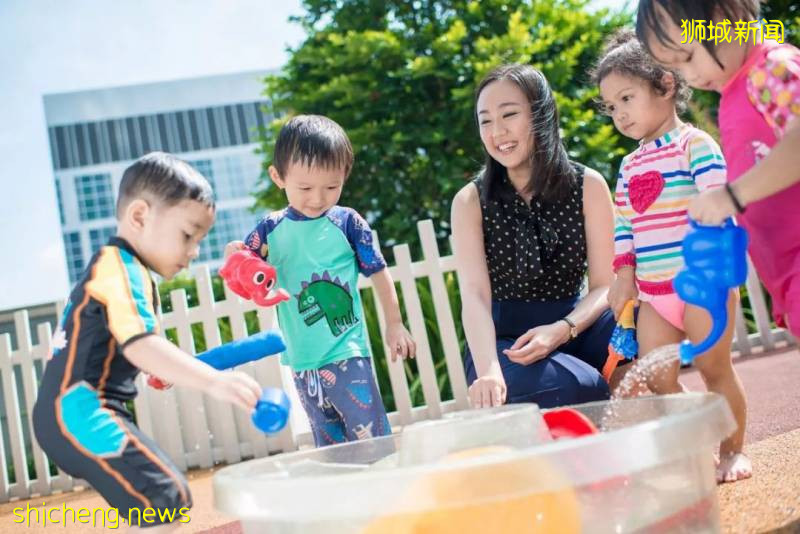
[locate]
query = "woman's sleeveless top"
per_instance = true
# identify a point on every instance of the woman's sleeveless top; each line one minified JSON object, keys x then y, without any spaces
{"x":534,"y":252}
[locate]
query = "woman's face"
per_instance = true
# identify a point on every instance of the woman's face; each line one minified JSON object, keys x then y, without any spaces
{"x":504,"y":118}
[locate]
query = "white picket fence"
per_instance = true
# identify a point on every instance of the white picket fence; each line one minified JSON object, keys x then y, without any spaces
{"x":197,"y":431}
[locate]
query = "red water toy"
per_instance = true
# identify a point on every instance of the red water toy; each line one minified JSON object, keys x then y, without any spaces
{"x":568,"y":423}
{"x":250,"y":277}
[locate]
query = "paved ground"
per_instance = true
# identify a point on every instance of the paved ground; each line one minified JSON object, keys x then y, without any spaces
{"x":769,"y":502}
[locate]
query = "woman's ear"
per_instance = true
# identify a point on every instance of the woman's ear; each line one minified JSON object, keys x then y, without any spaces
{"x":668,"y":82}
{"x":275,"y":176}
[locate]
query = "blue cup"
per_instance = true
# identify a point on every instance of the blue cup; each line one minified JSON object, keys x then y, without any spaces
{"x":272,"y":411}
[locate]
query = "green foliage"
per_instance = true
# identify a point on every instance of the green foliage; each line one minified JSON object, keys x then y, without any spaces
{"x":400,"y":78}
{"x":788,"y":12}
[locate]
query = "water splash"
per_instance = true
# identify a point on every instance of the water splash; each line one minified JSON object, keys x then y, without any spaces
{"x":650,"y":365}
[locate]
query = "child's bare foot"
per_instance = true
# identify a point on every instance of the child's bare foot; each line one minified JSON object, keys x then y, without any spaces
{"x":733,"y":466}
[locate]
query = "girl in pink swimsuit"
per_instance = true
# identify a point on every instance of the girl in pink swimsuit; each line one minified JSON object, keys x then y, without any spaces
{"x":759,"y":83}
{"x":674,"y":163}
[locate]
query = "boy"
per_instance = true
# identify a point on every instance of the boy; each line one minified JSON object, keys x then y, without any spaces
{"x":318,"y":249}
{"x":108,"y":334}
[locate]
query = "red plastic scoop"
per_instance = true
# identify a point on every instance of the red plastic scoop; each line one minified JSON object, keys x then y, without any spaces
{"x":568,"y":423}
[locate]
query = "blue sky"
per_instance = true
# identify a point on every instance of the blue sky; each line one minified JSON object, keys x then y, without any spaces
{"x":52,"y":46}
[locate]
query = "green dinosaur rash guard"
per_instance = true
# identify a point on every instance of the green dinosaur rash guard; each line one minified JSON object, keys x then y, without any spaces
{"x":318,"y":261}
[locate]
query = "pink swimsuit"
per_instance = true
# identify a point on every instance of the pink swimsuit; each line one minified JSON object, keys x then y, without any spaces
{"x":758,"y":104}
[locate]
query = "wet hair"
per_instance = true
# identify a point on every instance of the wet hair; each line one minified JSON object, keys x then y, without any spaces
{"x":165,"y":178}
{"x":552,"y":175}
{"x":313,"y":141}
{"x":649,"y":23}
{"x":625,"y":55}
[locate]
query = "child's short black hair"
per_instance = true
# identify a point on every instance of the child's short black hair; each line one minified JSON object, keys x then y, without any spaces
{"x":165,"y":178}
{"x":624,"y":54}
{"x":648,"y":21}
{"x":313,"y":141}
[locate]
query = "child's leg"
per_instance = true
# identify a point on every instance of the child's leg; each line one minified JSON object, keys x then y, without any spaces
{"x":717,"y":370}
{"x":96,"y":439}
{"x":635,"y":390}
{"x":652,"y":332}
{"x":326,"y":425}
{"x":351,"y":387}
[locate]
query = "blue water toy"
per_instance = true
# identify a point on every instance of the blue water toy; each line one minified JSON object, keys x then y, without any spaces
{"x":715,"y":261}
{"x":244,"y":350}
{"x":272,"y":409}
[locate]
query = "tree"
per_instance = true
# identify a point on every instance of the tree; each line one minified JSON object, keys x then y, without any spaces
{"x":786,"y":11}
{"x":399,"y":76}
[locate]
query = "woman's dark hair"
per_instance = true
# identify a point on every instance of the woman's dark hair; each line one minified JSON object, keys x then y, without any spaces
{"x":552,"y":176}
{"x":648,"y":18}
{"x":625,"y":55}
{"x":165,"y":178}
{"x":313,"y":141}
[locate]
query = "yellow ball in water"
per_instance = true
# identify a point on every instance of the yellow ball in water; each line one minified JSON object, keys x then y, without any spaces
{"x":520,"y":496}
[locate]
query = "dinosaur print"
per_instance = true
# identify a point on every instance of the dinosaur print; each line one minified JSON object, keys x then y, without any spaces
{"x":323,"y":297}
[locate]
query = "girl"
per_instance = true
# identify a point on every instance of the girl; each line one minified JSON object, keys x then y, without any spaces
{"x":760,"y":87}
{"x":524,"y":232}
{"x":674,"y":162}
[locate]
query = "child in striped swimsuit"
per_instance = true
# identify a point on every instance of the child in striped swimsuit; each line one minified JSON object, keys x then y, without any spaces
{"x":674,"y":163}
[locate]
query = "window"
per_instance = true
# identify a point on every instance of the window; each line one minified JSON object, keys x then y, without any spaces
{"x":236,"y":176}
{"x":72,"y":247}
{"x":99,"y":237}
{"x":91,"y":143}
{"x":230,"y":225}
{"x":205,"y":168}
{"x":60,"y":201}
{"x":95,"y":197}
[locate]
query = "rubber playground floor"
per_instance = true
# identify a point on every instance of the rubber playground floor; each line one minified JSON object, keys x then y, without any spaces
{"x":768,"y":502}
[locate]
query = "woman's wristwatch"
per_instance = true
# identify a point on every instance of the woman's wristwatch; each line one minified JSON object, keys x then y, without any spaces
{"x":573,"y":328}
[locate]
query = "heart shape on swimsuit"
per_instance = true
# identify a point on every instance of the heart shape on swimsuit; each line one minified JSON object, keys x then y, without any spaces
{"x":643,"y":190}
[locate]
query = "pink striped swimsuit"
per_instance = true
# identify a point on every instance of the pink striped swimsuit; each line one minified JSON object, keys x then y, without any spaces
{"x":654,"y":187}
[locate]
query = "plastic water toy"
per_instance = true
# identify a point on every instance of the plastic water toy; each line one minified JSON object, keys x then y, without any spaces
{"x":497,"y":470}
{"x":272,"y":409}
{"x":252,"y":278}
{"x":623,"y":345}
{"x":568,"y":423}
{"x":715,"y":261}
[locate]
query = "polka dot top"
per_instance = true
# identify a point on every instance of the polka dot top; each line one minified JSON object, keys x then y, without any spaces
{"x":534,"y":252}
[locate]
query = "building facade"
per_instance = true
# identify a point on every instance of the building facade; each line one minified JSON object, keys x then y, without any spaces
{"x":211,"y":122}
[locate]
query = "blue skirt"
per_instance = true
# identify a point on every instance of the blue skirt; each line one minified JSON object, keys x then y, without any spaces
{"x":569,"y":375}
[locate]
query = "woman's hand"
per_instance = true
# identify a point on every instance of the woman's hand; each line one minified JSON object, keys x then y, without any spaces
{"x":488,"y":390}
{"x":538,"y":342}
{"x":622,"y":290}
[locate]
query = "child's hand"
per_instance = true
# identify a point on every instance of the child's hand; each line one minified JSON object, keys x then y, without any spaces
{"x":712,"y":207}
{"x":488,"y":390}
{"x":400,"y":341}
{"x":622,"y":290}
{"x":237,"y":388}
{"x":233,"y":246}
{"x":538,"y":342}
